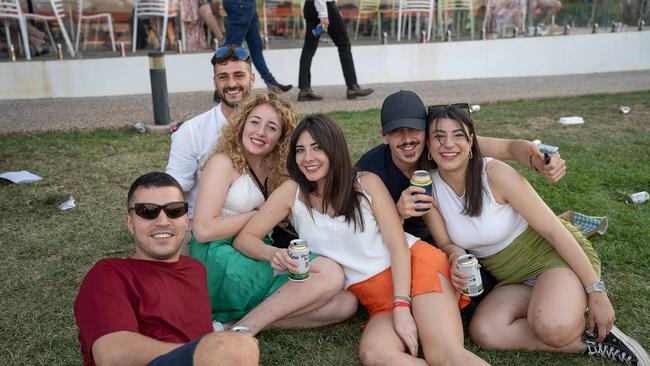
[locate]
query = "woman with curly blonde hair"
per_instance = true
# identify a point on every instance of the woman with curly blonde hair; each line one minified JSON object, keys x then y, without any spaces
{"x":231,"y":143}
{"x":247,"y":162}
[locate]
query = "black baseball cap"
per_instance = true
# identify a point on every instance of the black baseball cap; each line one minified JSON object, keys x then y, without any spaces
{"x":403,"y":109}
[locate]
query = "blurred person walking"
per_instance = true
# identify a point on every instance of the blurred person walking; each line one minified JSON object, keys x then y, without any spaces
{"x":242,"y":24}
{"x":326,"y":15}
{"x":209,"y":12}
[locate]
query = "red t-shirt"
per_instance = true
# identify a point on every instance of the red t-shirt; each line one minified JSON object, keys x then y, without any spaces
{"x":165,"y":301}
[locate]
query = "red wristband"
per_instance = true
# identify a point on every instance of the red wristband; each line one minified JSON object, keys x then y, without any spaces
{"x":401,"y":303}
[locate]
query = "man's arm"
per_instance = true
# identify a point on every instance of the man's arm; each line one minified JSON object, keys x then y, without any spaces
{"x":128,"y":349}
{"x":524,"y":152}
{"x":183,"y":158}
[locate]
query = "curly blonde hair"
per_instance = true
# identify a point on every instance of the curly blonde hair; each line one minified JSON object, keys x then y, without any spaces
{"x":230,"y":142}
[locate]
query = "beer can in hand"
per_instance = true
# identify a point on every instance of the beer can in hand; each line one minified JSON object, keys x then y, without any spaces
{"x":320,"y":29}
{"x":422,"y":178}
{"x":471,"y":269}
{"x":299,"y":252}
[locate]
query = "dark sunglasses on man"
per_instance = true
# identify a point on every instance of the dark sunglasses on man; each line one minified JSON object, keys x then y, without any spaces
{"x":224,"y":52}
{"x":443,"y":108}
{"x":151,"y":211}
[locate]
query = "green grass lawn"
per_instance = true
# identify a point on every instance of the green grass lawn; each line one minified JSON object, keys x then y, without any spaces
{"x":47,"y":252}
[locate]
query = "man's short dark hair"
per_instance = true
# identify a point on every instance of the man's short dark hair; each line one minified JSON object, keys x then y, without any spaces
{"x":152,"y":180}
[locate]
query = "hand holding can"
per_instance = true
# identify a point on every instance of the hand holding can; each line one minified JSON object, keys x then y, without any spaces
{"x":458,"y":279}
{"x":299,"y":252}
{"x":320,"y":29}
{"x":422,"y":179}
{"x":471,"y":269}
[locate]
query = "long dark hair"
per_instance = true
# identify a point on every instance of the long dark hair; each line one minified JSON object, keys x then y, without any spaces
{"x":339,"y":192}
{"x":473,"y":180}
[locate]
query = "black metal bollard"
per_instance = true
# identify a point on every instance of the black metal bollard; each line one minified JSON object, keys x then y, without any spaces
{"x":159,"y":88}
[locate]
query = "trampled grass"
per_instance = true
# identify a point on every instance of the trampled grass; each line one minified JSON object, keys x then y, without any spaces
{"x":48,"y":252}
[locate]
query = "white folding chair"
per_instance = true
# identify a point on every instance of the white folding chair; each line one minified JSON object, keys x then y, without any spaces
{"x":81,"y":17}
{"x":415,"y":7}
{"x":154,"y":8}
{"x":454,"y":6}
{"x":269,"y":10}
{"x":297,"y":20}
{"x":56,"y":12}
{"x":10,"y":10}
{"x":367,"y":9}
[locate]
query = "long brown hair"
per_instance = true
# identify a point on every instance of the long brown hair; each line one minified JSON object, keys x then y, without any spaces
{"x":339,"y":191}
{"x":230,"y":142}
{"x":473,"y":175}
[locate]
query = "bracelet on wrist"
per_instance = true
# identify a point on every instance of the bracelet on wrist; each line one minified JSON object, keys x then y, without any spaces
{"x":405,"y":304}
{"x":401,"y":298}
{"x":530,"y":159}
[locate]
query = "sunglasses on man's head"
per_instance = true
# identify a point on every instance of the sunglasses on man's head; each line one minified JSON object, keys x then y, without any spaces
{"x":241,"y":53}
{"x":435,"y":109}
{"x":150,"y":211}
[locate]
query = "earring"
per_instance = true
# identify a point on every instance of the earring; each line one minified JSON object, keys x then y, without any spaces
{"x":429,"y":156}
{"x":470,"y":154}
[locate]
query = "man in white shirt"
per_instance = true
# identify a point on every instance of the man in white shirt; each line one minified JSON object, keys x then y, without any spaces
{"x":192,"y":142}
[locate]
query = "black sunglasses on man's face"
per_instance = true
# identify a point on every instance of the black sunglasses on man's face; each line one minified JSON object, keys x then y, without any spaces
{"x":150,"y":211}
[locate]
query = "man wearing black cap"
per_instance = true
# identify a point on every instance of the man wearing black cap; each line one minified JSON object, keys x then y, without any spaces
{"x":403,"y":125}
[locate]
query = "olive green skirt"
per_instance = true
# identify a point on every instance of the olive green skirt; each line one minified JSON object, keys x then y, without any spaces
{"x":529,"y":255}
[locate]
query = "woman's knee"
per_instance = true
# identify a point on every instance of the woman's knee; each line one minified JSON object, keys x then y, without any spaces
{"x":227,"y":348}
{"x":444,"y":357}
{"x":481,"y":332}
{"x":329,"y":270}
{"x":373,"y":354}
{"x":555,"y":332}
{"x":347,"y":305}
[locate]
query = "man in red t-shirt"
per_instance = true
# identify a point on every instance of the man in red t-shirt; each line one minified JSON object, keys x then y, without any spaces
{"x":153,"y":308}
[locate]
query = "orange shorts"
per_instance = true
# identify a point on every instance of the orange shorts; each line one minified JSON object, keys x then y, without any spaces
{"x":376,"y":293}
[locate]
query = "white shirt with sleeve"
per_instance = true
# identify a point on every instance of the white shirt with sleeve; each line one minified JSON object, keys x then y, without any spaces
{"x":321,"y":8}
{"x":190,"y":147}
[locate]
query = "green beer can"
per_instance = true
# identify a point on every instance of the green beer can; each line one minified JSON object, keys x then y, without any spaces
{"x":299,"y":251}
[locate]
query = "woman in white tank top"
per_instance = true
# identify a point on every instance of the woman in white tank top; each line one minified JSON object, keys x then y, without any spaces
{"x":403,"y":282}
{"x":486,"y":207}
{"x":253,"y":147}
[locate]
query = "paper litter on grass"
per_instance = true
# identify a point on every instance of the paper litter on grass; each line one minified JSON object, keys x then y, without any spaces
{"x":573,"y":120}
{"x":21,"y":177}
{"x":67,"y":205}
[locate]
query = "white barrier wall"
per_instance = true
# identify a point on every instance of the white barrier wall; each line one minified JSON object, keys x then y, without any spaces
{"x":540,"y":56}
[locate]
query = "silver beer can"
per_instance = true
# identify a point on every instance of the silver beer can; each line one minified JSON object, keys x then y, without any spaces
{"x":471,"y":269}
{"x":638,"y":197}
{"x":299,"y":251}
{"x":140,"y":127}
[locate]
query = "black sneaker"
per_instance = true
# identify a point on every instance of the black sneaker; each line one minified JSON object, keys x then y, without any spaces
{"x":617,"y":347}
